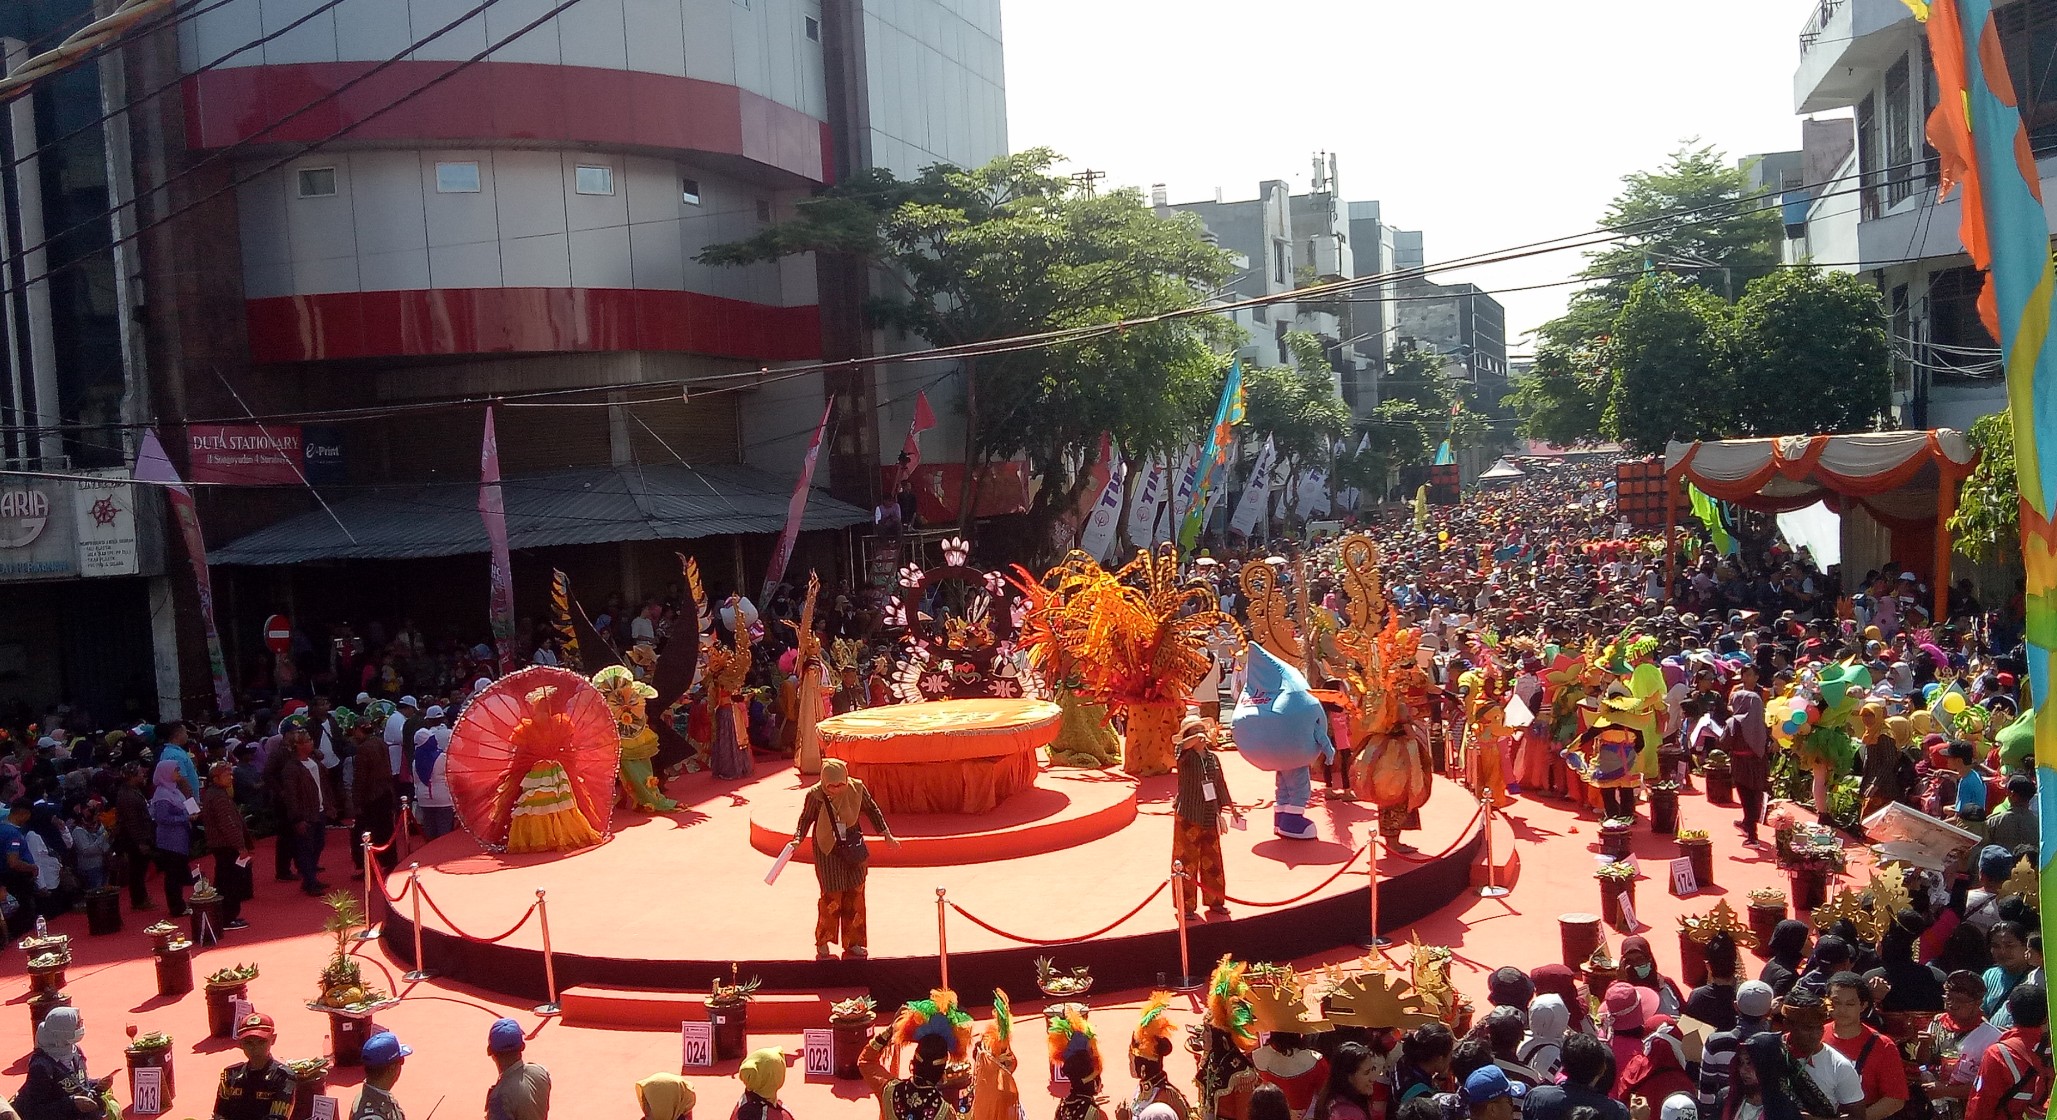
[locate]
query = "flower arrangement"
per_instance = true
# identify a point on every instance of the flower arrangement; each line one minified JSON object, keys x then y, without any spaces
{"x":858,"y":1009}
{"x":231,"y":977}
{"x":1617,"y":824}
{"x":1617,"y":872}
{"x":1811,"y":848}
{"x":1694,"y":835}
{"x":1058,"y":985}
{"x":48,"y":962}
{"x":736,"y":992}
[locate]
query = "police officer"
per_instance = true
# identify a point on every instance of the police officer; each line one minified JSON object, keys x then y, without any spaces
{"x":260,"y":1088}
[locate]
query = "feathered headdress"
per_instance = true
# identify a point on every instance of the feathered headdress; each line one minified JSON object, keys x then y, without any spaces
{"x":1000,"y":1032}
{"x":936,"y":1016}
{"x":1228,"y":1003}
{"x":1154,"y":1030}
{"x":1069,"y":1035}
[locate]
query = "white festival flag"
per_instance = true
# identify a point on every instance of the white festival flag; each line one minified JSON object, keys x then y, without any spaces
{"x":1097,"y":539}
{"x":1257,"y":495}
{"x":1142,"y":510}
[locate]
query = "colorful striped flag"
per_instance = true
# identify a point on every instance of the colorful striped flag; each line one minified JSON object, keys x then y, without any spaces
{"x":1984,"y":151}
{"x":1227,"y":415}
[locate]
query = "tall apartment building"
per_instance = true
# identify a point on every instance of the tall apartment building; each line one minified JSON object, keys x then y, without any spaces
{"x":353,"y":222}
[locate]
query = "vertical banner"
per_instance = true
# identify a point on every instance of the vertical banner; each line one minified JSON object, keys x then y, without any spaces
{"x":910,"y":451}
{"x":1257,"y":495}
{"x":1142,"y":511}
{"x":153,"y":466}
{"x":1312,"y":498}
{"x":1097,"y":538}
{"x":1977,"y":133}
{"x":1227,"y":415}
{"x":560,"y":621}
{"x":784,"y":552}
{"x":1186,"y":470}
{"x":494,"y":513}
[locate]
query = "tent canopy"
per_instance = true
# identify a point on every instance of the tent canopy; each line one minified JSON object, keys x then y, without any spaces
{"x":589,"y":505}
{"x":1907,"y":481}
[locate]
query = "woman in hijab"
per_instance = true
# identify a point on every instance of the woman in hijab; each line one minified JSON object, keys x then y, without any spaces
{"x":1746,"y":737}
{"x":58,"y":1087}
{"x":1660,"y":1070}
{"x":1549,"y":1020}
{"x":1560,"y":981}
{"x":665,"y":1096}
{"x":1639,"y":967}
{"x":1769,"y":1084}
{"x":763,"y":1074}
{"x":174,"y":821}
{"x":833,"y":815}
{"x":1788,"y":951}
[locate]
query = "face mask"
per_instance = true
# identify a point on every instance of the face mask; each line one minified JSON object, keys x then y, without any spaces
{"x":1642,"y":971}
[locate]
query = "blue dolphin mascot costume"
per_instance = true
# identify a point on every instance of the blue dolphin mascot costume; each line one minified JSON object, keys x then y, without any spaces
{"x":1280,"y":726}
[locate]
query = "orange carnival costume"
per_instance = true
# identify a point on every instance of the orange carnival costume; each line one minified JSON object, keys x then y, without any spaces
{"x":532,"y":766}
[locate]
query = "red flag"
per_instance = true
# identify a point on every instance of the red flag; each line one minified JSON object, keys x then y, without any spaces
{"x":153,"y":465}
{"x":494,"y":513}
{"x":910,"y":452}
{"x":784,"y":551}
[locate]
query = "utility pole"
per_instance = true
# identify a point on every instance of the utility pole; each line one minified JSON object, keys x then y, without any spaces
{"x":1086,"y":181}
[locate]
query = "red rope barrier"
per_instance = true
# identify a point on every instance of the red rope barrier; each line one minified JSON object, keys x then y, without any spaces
{"x":438,"y":911}
{"x":1309,"y":893}
{"x":392,"y":899}
{"x":1461,"y":840}
{"x":1108,"y":928}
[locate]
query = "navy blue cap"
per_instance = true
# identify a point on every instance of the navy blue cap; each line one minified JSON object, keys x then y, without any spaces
{"x":1490,"y":1083}
{"x":384,"y":1048}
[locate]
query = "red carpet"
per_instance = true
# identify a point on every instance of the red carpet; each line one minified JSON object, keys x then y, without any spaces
{"x":594,"y":1069}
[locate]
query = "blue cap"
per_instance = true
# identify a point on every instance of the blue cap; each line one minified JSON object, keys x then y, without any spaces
{"x":1489,"y":1083}
{"x":1995,"y":862}
{"x":384,"y":1048}
{"x":505,"y":1037}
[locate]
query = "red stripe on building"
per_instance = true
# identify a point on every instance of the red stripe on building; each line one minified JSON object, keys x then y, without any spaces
{"x":484,"y":101}
{"x":420,"y":323}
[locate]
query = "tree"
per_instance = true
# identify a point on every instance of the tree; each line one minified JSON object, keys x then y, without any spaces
{"x":1296,"y":406}
{"x":1012,"y":248}
{"x":1810,"y":354}
{"x":1563,"y":396}
{"x":1987,"y":524}
{"x":1671,"y":378}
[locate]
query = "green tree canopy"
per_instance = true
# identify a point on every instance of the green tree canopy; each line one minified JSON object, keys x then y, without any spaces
{"x":1671,"y":378}
{"x":1012,"y":248}
{"x":1296,"y":405}
{"x":1810,"y":355}
{"x":1564,"y":395}
{"x":1987,"y":524}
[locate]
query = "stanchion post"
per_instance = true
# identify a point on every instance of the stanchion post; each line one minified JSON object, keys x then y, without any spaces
{"x":402,"y":834}
{"x":1492,"y":889}
{"x":549,"y":957}
{"x":1186,"y":982}
{"x":1372,"y":939}
{"x":371,"y":864}
{"x":943,"y":934}
{"x":420,"y":971}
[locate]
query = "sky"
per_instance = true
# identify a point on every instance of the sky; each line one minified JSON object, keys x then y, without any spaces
{"x":1487,"y":124}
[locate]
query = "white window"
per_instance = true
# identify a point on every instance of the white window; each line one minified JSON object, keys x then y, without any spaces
{"x":689,"y":191}
{"x":317,"y":182}
{"x":813,"y":29}
{"x":764,"y":210}
{"x":595,"y":179}
{"x":460,"y":177}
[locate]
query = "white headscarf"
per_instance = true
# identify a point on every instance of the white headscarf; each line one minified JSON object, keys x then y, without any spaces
{"x":60,"y":1033}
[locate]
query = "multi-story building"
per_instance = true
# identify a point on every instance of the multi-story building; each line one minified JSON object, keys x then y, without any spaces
{"x":1875,"y":210}
{"x":354,"y":218}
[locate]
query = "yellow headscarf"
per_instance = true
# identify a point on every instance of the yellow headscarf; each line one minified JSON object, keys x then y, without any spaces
{"x":665,"y":1096}
{"x":764,"y":1073}
{"x":839,"y":808}
{"x":1901,"y":729}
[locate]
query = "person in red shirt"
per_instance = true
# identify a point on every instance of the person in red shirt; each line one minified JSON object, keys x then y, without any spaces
{"x":1876,"y":1057}
{"x":2014,"y":1075}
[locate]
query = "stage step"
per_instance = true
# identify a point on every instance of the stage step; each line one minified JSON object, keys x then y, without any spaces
{"x":600,"y":1005}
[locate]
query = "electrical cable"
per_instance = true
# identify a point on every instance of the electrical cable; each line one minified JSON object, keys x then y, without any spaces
{"x":80,"y":46}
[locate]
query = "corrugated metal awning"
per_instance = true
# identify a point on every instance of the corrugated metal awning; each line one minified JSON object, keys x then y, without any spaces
{"x":593,"y":505}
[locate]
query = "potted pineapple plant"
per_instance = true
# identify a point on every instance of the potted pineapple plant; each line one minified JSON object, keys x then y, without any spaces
{"x":1696,"y":845}
{"x":149,"y":1051}
{"x":1720,"y":775}
{"x":310,"y":1080}
{"x":728,"y":1008}
{"x":1766,"y":910}
{"x":349,"y":1003}
{"x":1616,"y":837}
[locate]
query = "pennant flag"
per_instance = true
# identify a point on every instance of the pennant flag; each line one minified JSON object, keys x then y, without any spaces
{"x":910,"y":451}
{"x":1443,"y":456}
{"x":1709,"y":512}
{"x":494,"y":513}
{"x":1256,"y":501}
{"x":154,"y":466}
{"x":1984,"y":151}
{"x":1142,"y":510}
{"x":1097,"y":538}
{"x":1364,"y":443}
{"x":560,"y":621}
{"x":1227,"y":415}
{"x":794,"y":508}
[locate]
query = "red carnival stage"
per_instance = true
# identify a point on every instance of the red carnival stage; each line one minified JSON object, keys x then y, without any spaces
{"x":1076,"y":868}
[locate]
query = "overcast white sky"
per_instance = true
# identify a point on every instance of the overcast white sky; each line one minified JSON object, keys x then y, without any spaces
{"x":1485,"y":123}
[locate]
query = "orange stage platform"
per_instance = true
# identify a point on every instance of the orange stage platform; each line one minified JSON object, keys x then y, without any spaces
{"x":642,"y":923}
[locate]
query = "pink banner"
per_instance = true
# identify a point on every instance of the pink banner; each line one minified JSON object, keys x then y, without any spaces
{"x":784,"y":552}
{"x":494,"y":514}
{"x":153,"y":466}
